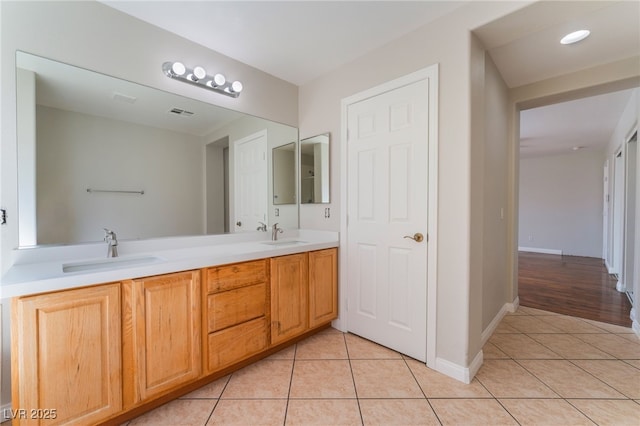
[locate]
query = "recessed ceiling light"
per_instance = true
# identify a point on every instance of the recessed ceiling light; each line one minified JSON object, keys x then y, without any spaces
{"x":575,"y":37}
{"x":575,"y":148}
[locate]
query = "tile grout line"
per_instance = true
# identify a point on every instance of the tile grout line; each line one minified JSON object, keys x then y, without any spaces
{"x":293,"y":367}
{"x":422,"y":390}
{"x":353,"y":379}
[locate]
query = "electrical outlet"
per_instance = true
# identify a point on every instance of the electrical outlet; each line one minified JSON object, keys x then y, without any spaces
{"x":530,"y":238}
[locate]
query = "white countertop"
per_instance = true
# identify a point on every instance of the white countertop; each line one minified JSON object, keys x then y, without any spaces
{"x":40,"y":270}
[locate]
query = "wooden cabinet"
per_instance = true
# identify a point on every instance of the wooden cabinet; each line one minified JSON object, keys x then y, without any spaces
{"x":323,"y":286}
{"x":237,"y":313}
{"x":289,"y":293}
{"x":161,"y":334}
{"x":91,"y":354}
{"x":66,"y":356}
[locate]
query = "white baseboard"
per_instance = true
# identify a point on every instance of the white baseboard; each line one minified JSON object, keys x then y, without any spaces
{"x":458,"y":372}
{"x":507,"y":307}
{"x":621,"y":287}
{"x":540,"y":250}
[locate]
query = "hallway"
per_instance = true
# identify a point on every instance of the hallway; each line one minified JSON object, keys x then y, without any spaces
{"x":571,"y":285}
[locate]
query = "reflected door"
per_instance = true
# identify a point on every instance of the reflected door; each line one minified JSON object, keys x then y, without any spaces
{"x":387,"y":200}
{"x":250,"y":177}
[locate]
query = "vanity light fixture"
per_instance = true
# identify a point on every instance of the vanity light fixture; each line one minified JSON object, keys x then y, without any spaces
{"x":198,"y":77}
{"x":575,"y":37}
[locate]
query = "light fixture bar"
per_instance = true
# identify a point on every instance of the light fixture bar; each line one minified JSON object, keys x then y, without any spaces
{"x":198,"y":77}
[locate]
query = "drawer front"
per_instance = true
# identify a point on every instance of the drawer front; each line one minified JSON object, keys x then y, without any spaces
{"x":228,"y":277}
{"x":232,"y":307}
{"x":234,"y":344}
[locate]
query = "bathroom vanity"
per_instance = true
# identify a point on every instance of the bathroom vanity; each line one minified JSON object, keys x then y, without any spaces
{"x":93,"y":351}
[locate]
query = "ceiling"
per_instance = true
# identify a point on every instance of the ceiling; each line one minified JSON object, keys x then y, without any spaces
{"x":299,"y":41}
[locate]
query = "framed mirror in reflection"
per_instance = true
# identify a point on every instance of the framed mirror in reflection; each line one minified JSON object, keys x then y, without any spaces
{"x":99,"y":152}
{"x":284,"y":174}
{"x":314,"y":169}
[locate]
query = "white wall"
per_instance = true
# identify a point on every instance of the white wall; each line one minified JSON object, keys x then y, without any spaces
{"x":445,"y":42}
{"x":561,"y":203}
{"x":78,"y":151}
{"x":496,"y":192}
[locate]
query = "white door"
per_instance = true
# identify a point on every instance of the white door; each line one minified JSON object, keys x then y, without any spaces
{"x":605,"y":214}
{"x":617,"y":241}
{"x":250,"y":177}
{"x":387,"y":159}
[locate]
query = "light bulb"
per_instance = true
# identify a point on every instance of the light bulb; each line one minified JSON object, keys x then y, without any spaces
{"x":219,"y":79}
{"x":236,"y":87}
{"x":199,"y":72}
{"x":178,"y":68}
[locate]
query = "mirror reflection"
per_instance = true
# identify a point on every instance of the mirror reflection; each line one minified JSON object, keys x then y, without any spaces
{"x":284,"y":174}
{"x":98,"y":152}
{"x":314,"y":169}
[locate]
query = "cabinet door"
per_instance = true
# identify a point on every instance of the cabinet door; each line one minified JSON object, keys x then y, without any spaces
{"x":66,"y":356}
{"x":161,"y":334}
{"x":323,"y":286}
{"x":289,"y":292}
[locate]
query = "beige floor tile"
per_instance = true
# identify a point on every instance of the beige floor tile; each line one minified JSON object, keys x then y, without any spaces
{"x":612,"y":344}
{"x":328,"y":345}
{"x":471,"y":412}
{"x":264,"y":379}
{"x":322,"y":379}
{"x":287,"y":353}
{"x":437,"y":385}
{"x":384,"y":379}
{"x":503,"y":327}
{"x":211,"y":391}
{"x":537,"y":312}
{"x":570,"y":324}
{"x":617,"y":374}
{"x":569,"y":347}
{"x":491,"y":351}
{"x":520,"y":311}
{"x":249,"y":412}
{"x":323,"y":412}
{"x":187,"y":412}
{"x":359,"y":348}
{"x":507,"y":379}
{"x":611,"y":328}
{"x":633,"y":362}
{"x":545,"y":412}
{"x":609,"y":412}
{"x":568,"y":380}
{"x":530,"y":324}
{"x":389,"y":412}
{"x":630,"y":337}
{"x":520,"y":346}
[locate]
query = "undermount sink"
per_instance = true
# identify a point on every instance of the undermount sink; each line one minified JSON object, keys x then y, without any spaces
{"x":110,"y":263}
{"x":284,"y":242}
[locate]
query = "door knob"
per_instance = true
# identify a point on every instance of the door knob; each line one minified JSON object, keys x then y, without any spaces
{"x":238,"y":223}
{"x":417,"y":237}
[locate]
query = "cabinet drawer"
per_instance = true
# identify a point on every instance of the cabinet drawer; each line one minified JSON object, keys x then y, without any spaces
{"x":229,"y":277}
{"x":234,"y":344}
{"x":236,"y":306}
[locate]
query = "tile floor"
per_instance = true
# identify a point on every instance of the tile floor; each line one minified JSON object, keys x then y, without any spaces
{"x":540,"y":368}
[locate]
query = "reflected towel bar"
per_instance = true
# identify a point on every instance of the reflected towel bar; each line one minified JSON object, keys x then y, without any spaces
{"x":116,"y":191}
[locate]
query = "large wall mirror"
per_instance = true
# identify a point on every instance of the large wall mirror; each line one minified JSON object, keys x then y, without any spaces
{"x":98,"y":152}
{"x":314,"y":169}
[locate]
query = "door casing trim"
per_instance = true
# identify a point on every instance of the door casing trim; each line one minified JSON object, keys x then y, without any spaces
{"x":429,"y":73}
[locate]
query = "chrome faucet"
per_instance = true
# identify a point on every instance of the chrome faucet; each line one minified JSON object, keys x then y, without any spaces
{"x":275,"y":231}
{"x":112,"y":243}
{"x":262,"y":227}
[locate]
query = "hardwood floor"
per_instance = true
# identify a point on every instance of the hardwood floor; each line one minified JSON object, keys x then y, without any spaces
{"x":571,"y":285}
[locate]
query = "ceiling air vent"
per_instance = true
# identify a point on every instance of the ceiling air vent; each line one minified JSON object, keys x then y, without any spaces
{"x":182,"y":112}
